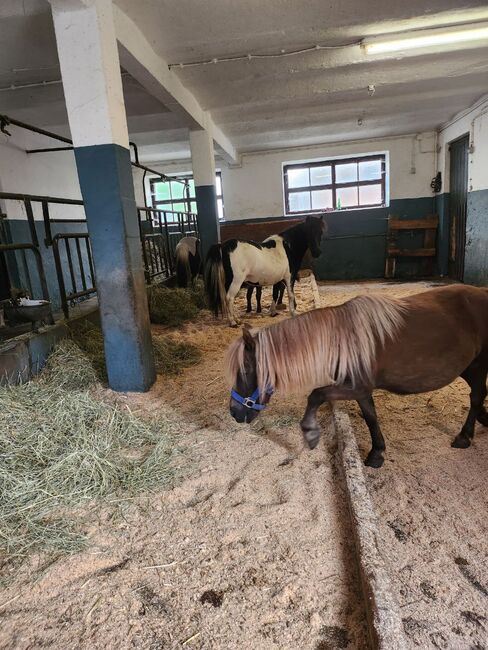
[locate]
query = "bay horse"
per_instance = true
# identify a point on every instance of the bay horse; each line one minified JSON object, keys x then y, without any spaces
{"x":408,"y":346}
{"x":188,"y":260}
{"x":236,"y":262}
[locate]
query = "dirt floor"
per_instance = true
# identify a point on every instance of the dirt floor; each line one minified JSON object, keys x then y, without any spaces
{"x":251,"y":550}
{"x":432,"y":505}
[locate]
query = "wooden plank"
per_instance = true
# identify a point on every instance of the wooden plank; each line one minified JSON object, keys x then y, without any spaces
{"x":413,"y":224}
{"x":414,"y":252}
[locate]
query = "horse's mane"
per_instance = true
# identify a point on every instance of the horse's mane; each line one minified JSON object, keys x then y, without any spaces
{"x":321,"y":347}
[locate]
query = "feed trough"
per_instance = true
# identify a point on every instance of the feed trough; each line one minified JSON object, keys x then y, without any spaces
{"x":27,"y":311}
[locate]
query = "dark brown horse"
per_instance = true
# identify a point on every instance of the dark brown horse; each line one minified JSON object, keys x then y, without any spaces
{"x":414,"y":345}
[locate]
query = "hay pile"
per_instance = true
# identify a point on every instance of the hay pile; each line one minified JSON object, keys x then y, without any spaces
{"x":62,"y":450}
{"x":175,"y":306}
{"x":169,"y":356}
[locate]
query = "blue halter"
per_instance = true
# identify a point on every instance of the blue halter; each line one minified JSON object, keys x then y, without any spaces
{"x":251,"y":402}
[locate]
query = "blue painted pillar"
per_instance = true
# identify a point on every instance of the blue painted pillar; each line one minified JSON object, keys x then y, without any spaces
{"x":203,"y":164}
{"x":87,"y":47}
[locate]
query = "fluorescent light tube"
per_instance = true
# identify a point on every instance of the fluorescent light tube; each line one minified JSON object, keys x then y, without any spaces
{"x":427,"y":40}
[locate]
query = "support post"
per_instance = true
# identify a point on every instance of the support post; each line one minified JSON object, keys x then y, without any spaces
{"x":87,"y":48}
{"x":203,"y":163}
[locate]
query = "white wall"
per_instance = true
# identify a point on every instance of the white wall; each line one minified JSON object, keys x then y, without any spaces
{"x":255,"y":189}
{"x":47,"y":174}
{"x":475,"y":122}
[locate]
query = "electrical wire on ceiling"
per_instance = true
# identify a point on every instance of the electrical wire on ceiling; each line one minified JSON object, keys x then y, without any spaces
{"x":275,"y":55}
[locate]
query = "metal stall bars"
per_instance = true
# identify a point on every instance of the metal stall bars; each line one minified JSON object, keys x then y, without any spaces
{"x":160,"y":231}
{"x":8,"y":248}
{"x":88,"y":288}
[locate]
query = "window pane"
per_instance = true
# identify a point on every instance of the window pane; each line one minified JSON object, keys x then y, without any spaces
{"x":369,"y":170}
{"x":348,"y":197}
{"x":193,"y":207}
{"x":299,"y":201}
{"x":177,"y":190}
{"x":370,"y":194}
{"x":179,"y":207}
{"x":322,"y":199}
{"x":191,"y":184}
{"x":162,"y":191}
{"x":320,"y":176}
{"x":298,"y":178}
{"x":347,"y":173}
{"x":218,"y":185}
{"x":220,"y":208}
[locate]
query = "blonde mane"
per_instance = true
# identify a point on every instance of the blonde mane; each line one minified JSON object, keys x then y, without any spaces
{"x":321,"y":347}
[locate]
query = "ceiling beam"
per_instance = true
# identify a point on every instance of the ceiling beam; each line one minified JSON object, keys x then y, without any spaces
{"x":151,"y":71}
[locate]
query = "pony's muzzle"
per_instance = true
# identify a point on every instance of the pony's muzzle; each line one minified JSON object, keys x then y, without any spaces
{"x":242,"y":414}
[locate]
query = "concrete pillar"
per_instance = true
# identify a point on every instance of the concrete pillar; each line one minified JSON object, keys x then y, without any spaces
{"x":203,"y":163}
{"x":90,"y":68}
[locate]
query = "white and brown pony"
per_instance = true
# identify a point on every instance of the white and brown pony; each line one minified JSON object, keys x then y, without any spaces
{"x":188,"y":260}
{"x":278,"y":258}
{"x":414,"y":345}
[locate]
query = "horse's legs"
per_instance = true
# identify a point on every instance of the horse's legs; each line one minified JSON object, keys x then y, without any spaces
{"x":375,"y":456}
{"x":248,"y":297}
{"x":259,"y":293}
{"x":232,"y":292}
{"x":475,"y":377}
{"x":291,"y":297}
{"x":309,"y":425}
{"x":279,"y":292}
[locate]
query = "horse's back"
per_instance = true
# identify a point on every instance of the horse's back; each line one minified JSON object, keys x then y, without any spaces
{"x":461,"y":306}
{"x":443,"y":331}
{"x":263,"y":263}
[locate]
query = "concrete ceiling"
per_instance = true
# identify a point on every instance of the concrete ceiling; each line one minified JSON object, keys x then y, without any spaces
{"x":265,"y":103}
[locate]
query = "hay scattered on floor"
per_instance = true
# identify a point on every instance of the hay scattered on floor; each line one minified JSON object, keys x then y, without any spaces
{"x":61,"y":448}
{"x":175,"y":306}
{"x":170,"y":357}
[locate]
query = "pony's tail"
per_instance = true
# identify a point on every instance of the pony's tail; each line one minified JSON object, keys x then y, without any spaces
{"x":215,"y":281}
{"x":182,"y":267}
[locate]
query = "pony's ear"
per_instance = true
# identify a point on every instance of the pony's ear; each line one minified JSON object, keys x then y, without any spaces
{"x":248,"y":337}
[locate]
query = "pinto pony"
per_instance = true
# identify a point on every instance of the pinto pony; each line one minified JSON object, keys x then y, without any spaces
{"x":188,"y":260}
{"x":414,"y":345}
{"x":278,"y":258}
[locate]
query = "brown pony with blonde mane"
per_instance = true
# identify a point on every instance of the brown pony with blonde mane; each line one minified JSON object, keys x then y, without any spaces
{"x":414,"y":345}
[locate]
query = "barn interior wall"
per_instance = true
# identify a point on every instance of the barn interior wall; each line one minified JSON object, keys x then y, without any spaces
{"x":356,"y":243}
{"x":474,"y":122}
{"x":44,"y":174}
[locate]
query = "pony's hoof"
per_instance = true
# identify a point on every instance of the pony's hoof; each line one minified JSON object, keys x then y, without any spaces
{"x":248,"y":311}
{"x":483,"y":418}
{"x":259,"y":311}
{"x":312,"y":437}
{"x":374,"y":460}
{"x":274,"y":314}
{"x":461,"y":442}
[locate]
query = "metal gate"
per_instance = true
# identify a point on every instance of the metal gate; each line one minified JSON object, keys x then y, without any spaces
{"x":458,"y":175}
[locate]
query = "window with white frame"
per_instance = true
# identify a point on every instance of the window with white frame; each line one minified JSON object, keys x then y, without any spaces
{"x":335,"y":184}
{"x":175,"y":196}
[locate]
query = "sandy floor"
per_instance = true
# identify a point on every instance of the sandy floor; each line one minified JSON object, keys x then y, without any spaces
{"x":252,"y":549}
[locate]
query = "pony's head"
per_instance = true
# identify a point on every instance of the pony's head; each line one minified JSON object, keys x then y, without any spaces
{"x":316,"y":227}
{"x":247,"y":398}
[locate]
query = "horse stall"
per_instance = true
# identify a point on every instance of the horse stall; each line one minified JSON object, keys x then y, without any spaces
{"x":178,"y":468}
